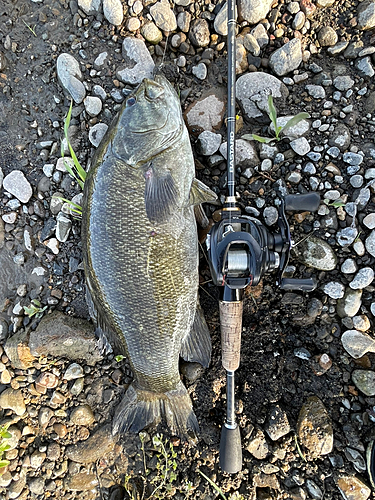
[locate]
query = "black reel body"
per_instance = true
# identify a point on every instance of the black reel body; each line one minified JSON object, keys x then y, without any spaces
{"x":241,"y":249}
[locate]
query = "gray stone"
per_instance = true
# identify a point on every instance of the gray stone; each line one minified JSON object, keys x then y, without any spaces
{"x":277,"y":425}
{"x":270,"y":215}
{"x":113,"y":12}
{"x":370,"y":243}
{"x":294,"y":132}
{"x":327,"y":36}
{"x":356,"y":181}
{"x":73,"y":372}
{"x":252,"y":90}
{"x":357,"y":343}
{"x":316,"y":253}
{"x":221,"y":21}
{"x":246,"y":153}
{"x":183,"y":21}
{"x":366,"y":15}
{"x":99,"y":62}
{"x":340,"y":137}
{"x":17,"y":185}
{"x":365,"y":68}
{"x":294,"y":177}
{"x":206,"y":113}
{"x":12,"y":399}
{"x":316,"y":91}
{"x":287,"y":58}
{"x":352,"y":158}
{"x":346,"y":236}
{"x":90,"y":7}
{"x":82,"y":415}
{"x":138,"y":60}
{"x":69,"y":75}
{"x":338,"y":48}
{"x":261,"y":35}
{"x":163,"y":16}
{"x":151,"y":33}
{"x":63,"y":227}
{"x":61,"y":335}
{"x":363,"y":278}
{"x":354,"y":48}
{"x":361,"y":323}
{"x":253,"y":11}
{"x":200,"y":71}
{"x":1,"y":178}
{"x":349,"y":305}
{"x":334,"y":289}
{"x":37,"y":485}
{"x":93,"y":105}
{"x":250,"y":43}
{"x":314,"y":428}
{"x":258,"y":445}
{"x":208,"y":143}
{"x":349,"y":266}
{"x":299,"y":20}
{"x":312,"y":488}
{"x":343,"y":83}
{"x":301,"y":146}
{"x":372,"y":307}
{"x":364,"y":380}
{"x":369,"y":221}
{"x":199,"y":33}
{"x":96,"y":133}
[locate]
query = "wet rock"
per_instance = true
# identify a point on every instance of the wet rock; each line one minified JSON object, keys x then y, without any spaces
{"x":246,"y":153}
{"x":278,"y":423}
{"x":357,"y":343}
{"x":69,"y":75}
{"x":96,"y":133}
{"x":82,"y":415}
{"x":138,"y":61}
{"x":206,"y":113}
{"x":252,"y":92}
{"x":151,"y":33}
{"x":17,"y":185}
{"x":13,"y":400}
{"x":317,"y":253}
{"x":112,"y":10}
{"x":208,"y":143}
{"x":287,"y":58}
{"x":61,"y":335}
{"x":363,"y":278}
{"x":366,"y":15}
{"x":258,"y":446}
{"x":81,"y":482}
{"x":199,"y":33}
{"x":253,"y":10}
{"x":364,"y":380}
{"x":349,"y":305}
{"x":370,"y":243}
{"x":95,"y":447}
{"x":18,"y":351}
{"x":352,"y":488}
{"x":314,"y":428}
{"x":163,"y":16}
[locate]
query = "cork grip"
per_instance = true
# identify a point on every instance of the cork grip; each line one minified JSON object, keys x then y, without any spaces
{"x":231,"y":326}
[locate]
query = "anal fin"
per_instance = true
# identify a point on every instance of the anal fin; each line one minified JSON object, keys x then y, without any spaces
{"x":196,"y":346}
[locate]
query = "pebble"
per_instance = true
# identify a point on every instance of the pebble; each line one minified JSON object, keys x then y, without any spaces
{"x":369,"y":221}
{"x":370,"y":243}
{"x":346,"y":236}
{"x":13,"y":400}
{"x":200,"y":71}
{"x":208,"y":143}
{"x":349,"y":266}
{"x":334,"y":289}
{"x":357,"y":343}
{"x":317,"y":253}
{"x":152,"y":33}
{"x":343,"y":83}
{"x":139,"y":63}
{"x":94,"y":448}
{"x":253,"y":11}
{"x":37,"y":485}
{"x":96,"y":133}
{"x":17,"y":185}
{"x":365,"y":68}
{"x":163,"y":16}
{"x":294,"y":132}
{"x":277,"y":425}
{"x":287,"y":58}
{"x":314,"y":428}
{"x":69,"y":75}
{"x":90,"y":7}
{"x":199,"y":33}
{"x":251,"y":44}
{"x":316,"y":91}
{"x":245,"y":153}
{"x":270,"y":215}
{"x":73,"y":372}
{"x":349,"y":305}
{"x":352,"y":158}
{"x":361,"y":323}
{"x":63,"y":227}
{"x":113,"y":12}
{"x":206,"y":114}
{"x":363,"y":278}
{"x":366,"y":15}
{"x":353,"y":488}
{"x":356,"y":181}
{"x":258,"y":445}
{"x":82,"y":415}
{"x":364,"y":380}
{"x":48,"y":380}
{"x":82,"y":481}
{"x":93,"y":105}
{"x":301,"y":146}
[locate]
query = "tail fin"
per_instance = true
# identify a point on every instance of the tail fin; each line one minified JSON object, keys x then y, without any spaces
{"x":140,"y":409}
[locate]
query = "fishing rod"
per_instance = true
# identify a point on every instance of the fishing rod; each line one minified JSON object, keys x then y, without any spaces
{"x":240,"y":251}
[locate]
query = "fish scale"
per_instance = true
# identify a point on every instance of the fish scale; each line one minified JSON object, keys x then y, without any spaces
{"x":140,"y":252}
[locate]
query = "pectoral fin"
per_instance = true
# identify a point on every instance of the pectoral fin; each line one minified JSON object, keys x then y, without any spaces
{"x":200,"y":193}
{"x":160,"y":195}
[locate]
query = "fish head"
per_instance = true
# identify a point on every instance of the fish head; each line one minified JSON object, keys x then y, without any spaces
{"x":149,"y":122}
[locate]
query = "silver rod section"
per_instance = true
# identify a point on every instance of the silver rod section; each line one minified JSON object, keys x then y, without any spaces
{"x":231,"y":418}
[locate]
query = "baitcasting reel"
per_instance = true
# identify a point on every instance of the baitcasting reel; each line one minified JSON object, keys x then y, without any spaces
{"x":241,"y":249}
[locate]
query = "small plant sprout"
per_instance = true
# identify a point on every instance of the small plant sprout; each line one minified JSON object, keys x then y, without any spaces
{"x":4,"y":446}
{"x":35,"y":309}
{"x":30,"y":28}
{"x":278,"y":128}
{"x":119,"y":358}
{"x":335,"y":204}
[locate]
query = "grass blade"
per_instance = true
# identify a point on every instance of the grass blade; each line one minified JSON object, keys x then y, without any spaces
{"x":295,"y":120}
{"x":215,"y":486}
{"x":272,"y":111}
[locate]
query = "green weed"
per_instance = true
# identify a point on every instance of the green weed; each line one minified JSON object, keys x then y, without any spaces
{"x":30,"y":28}
{"x":4,"y":435}
{"x":278,"y":129}
{"x":35,"y":309}
{"x":335,"y":204}
{"x":233,"y":496}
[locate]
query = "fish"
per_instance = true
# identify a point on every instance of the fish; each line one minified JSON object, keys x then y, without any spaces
{"x":140,"y":254}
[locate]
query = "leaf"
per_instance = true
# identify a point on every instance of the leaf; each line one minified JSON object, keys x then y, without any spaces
{"x":262,"y":139}
{"x":30,"y":311}
{"x":36,"y":302}
{"x":272,"y":113}
{"x":4,"y":447}
{"x":4,"y":463}
{"x":337,"y":204}
{"x":295,"y":120}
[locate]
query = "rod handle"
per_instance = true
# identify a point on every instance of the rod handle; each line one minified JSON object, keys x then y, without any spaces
{"x":230,"y":458}
{"x":231,"y":326}
{"x":308,"y":202}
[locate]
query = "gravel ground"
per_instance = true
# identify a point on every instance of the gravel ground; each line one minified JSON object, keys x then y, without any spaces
{"x":306,"y":384}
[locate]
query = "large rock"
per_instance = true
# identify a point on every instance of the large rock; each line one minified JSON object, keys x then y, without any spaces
{"x":246,"y":154}
{"x":252,"y":92}
{"x":206,"y":114}
{"x":287,"y":58}
{"x":357,"y":344}
{"x":95,"y":447}
{"x":314,"y":428}
{"x":366,"y":15}
{"x":69,"y":76}
{"x":61,"y":335}
{"x":18,"y":351}
{"x":112,"y":10}
{"x":17,"y":185}
{"x":138,"y":61}
{"x":317,"y":253}
{"x":253,"y":10}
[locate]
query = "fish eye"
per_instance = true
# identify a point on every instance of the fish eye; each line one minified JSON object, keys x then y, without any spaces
{"x":131,"y":101}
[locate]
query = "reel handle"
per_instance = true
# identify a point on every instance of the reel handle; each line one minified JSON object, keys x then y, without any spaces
{"x":308,"y":202}
{"x":304,"y":284}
